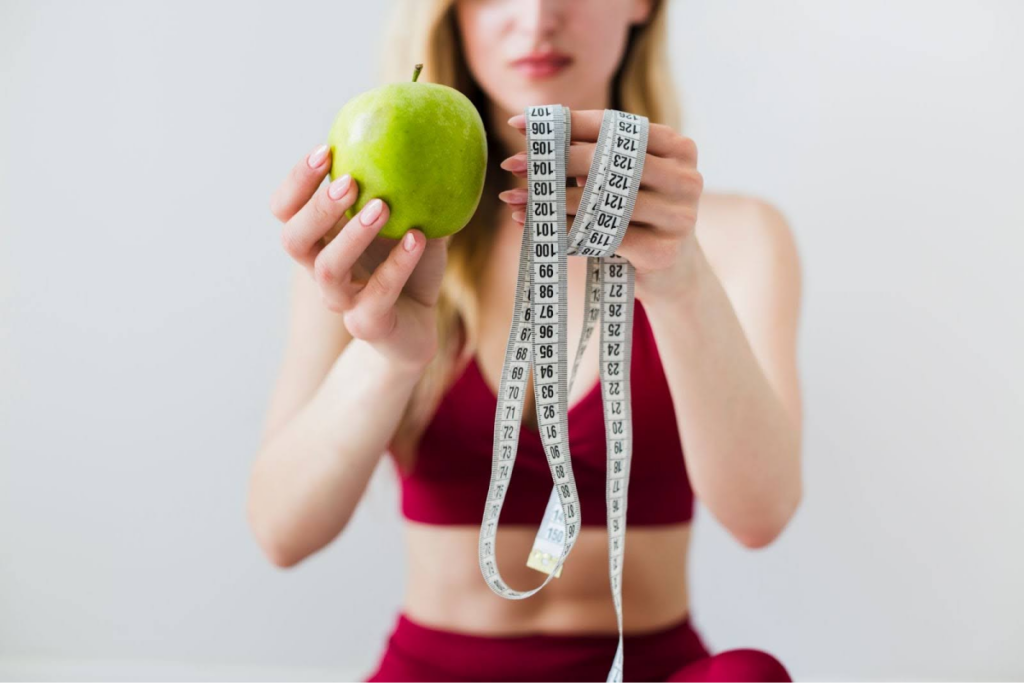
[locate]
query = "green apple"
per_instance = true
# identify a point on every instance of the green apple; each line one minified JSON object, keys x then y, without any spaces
{"x":420,"y":147}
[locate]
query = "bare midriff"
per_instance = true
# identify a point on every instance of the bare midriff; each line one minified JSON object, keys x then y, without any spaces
{"x":445,"y":588}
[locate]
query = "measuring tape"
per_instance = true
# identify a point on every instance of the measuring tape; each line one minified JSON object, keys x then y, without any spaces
{"x":537,"y":338}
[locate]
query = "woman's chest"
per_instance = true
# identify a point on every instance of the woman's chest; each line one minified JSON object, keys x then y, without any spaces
{"x":497,"y":297}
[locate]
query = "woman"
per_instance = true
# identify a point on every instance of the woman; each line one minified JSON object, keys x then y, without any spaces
{"x":396,"y":347}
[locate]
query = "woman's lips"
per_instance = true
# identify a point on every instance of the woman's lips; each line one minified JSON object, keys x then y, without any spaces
{"x":542,"y":65}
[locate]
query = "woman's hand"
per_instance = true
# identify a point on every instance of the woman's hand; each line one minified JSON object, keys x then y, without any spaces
{"x":660,"y":239}
{"x":385,"y":289}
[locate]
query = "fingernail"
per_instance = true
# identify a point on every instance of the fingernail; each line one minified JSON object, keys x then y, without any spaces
{"x":409,"y":241}
{"x":339,"y":187}
{"x":518,"y":121}
{"x":317,"y":156}
{"x":513,"y":196}
{"x":370,"y":213}
{"x":516,"y":164}
{"x":519,"y":216}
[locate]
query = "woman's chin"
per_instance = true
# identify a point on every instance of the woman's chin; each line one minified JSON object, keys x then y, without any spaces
{"x":517,"y":99}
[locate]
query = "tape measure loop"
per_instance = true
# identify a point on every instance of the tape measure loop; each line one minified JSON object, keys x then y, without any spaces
{"x":537,"y":338}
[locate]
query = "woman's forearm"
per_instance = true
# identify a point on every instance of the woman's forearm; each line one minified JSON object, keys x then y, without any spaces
{"x":742,"y":446}
{"x":311,"y":474}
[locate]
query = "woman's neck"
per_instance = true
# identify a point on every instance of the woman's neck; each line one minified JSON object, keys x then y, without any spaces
{"x":511,"y":141}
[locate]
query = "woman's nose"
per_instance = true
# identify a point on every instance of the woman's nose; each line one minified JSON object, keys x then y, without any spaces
{"x":541,"y":18}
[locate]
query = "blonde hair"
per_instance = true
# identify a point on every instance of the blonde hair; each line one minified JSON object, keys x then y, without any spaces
{"x":425,"y":31}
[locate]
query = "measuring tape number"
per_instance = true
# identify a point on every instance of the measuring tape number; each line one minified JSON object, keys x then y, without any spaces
{"x":537,"y":338}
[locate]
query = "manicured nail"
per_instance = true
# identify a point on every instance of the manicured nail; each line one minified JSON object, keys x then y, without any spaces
{"x":370,"y":212}
{"x":519,"y":216}
{"x":516,"y":163}
{"x":409,"y":241}
{"x":317,"y":156}
{"x":518,"y":121}
{"x":514,"y":196}
{"x":339,"y":187}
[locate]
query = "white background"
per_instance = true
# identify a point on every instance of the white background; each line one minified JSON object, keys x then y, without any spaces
{"x":143,"y":303}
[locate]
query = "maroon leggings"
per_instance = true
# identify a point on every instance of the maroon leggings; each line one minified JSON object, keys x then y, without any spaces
{"x":416,"y":652}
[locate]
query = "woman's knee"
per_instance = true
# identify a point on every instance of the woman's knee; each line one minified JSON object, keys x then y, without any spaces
{"x":751,"y":665}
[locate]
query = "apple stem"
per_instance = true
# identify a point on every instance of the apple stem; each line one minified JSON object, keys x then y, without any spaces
{"x":416,"y":72}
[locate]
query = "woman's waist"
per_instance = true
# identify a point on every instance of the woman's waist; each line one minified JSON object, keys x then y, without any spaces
{"x":421,"y":651}
{"x":445,"y":587}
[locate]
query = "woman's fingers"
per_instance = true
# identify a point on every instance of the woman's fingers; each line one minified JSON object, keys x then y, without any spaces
{"x":652,"y":208}
{"x":663,"y":175}
{"x":302,"y":181}
{"x":373,"y":313}
{"x":311,"y":213}
{"x":302,"y":233}
{"x":332,"y":267}
{"x":662,"y":140}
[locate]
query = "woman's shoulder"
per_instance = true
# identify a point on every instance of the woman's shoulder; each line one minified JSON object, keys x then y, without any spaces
{"x":741,"y":233}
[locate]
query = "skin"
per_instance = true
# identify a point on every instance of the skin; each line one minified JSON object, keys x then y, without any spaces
{"x":718,"y":274}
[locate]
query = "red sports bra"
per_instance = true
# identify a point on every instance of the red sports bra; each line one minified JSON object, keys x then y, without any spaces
{"x":451,"y":471}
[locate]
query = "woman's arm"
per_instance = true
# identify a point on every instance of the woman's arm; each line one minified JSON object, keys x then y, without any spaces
{"x":363,"y":328}
{"x":731,"y":365}
{"x":336,"y":405}
{"x":730,"y":360}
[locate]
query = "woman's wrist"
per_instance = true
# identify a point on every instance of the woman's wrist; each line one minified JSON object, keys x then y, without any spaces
{"x":363,"y":362}
{"x":678,"y":286}
{"x":399,"y":371}
{"x":364,"y":384}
